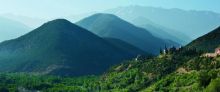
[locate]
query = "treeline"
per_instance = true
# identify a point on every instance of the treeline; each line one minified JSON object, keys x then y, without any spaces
{"x":19,"y":82}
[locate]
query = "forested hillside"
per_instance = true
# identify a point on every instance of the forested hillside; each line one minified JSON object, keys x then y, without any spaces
{"x":174,"y":71}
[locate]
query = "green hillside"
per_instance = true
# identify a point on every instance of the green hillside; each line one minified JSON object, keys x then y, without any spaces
{"x":61,"y":48}
{"x":111,"y":26}
{"x":207,"y":42}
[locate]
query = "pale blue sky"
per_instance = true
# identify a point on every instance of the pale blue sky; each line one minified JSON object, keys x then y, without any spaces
{"x":58,"y":8}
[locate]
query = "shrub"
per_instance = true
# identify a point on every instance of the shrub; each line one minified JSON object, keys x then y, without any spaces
{"x":214,"y":86}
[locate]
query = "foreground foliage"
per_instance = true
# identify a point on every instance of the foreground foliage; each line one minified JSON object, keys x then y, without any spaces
{"x":27,"y":82}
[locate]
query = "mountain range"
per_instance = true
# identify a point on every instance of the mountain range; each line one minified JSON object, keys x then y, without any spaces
{"x":111,"y":26}
{"x":161,"y":31}
{"x":61,"y":48}
{"x":189,"y":22}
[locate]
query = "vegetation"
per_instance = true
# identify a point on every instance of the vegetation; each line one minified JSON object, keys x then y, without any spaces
{"x":183,"y":70}
{"x":194,"y":81}
{"x":14,"y":82}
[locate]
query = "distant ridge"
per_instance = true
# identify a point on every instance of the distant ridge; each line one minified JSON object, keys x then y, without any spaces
{"x":192,"y":23}
{"x":111,"y":26}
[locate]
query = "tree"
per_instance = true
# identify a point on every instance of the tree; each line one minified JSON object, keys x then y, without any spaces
{"x":4,"y":89}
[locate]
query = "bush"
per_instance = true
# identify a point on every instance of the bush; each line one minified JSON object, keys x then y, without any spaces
{"x":214,"y":86}
{"x":204,"y":79}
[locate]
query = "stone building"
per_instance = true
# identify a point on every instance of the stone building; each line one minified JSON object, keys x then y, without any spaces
{"x":217,"y":53}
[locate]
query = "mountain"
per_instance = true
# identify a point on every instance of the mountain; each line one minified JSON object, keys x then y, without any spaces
{"x":207,"y":42}
{"x":78,"y":17}
{"x":61,"y":48}
{"x":111,"y":26}
{"x":11,"y":29}
{"x":161,"y":31}
{"x":190,"y":22}
{"x":157,"y":30}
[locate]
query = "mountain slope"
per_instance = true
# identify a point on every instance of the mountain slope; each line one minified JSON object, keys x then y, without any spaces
{"x":181,"y":70}
{"x":207,"y":42}
{"x":60,"y":48}
{"x":160,"y":31}
{"x":107,"y":25}
{"x":125,"y":46}
{"x":11,"y":29}
{"x":192,"y":23}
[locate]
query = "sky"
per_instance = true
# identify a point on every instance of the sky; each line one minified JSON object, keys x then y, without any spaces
{"x":60,"y":8}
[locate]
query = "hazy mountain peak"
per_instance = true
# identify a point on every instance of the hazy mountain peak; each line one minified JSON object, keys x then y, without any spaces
{"x":58,"y":22}
{"x":105,"y":17}
{"x":60,"y":25}
{"x":111,"y":26}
